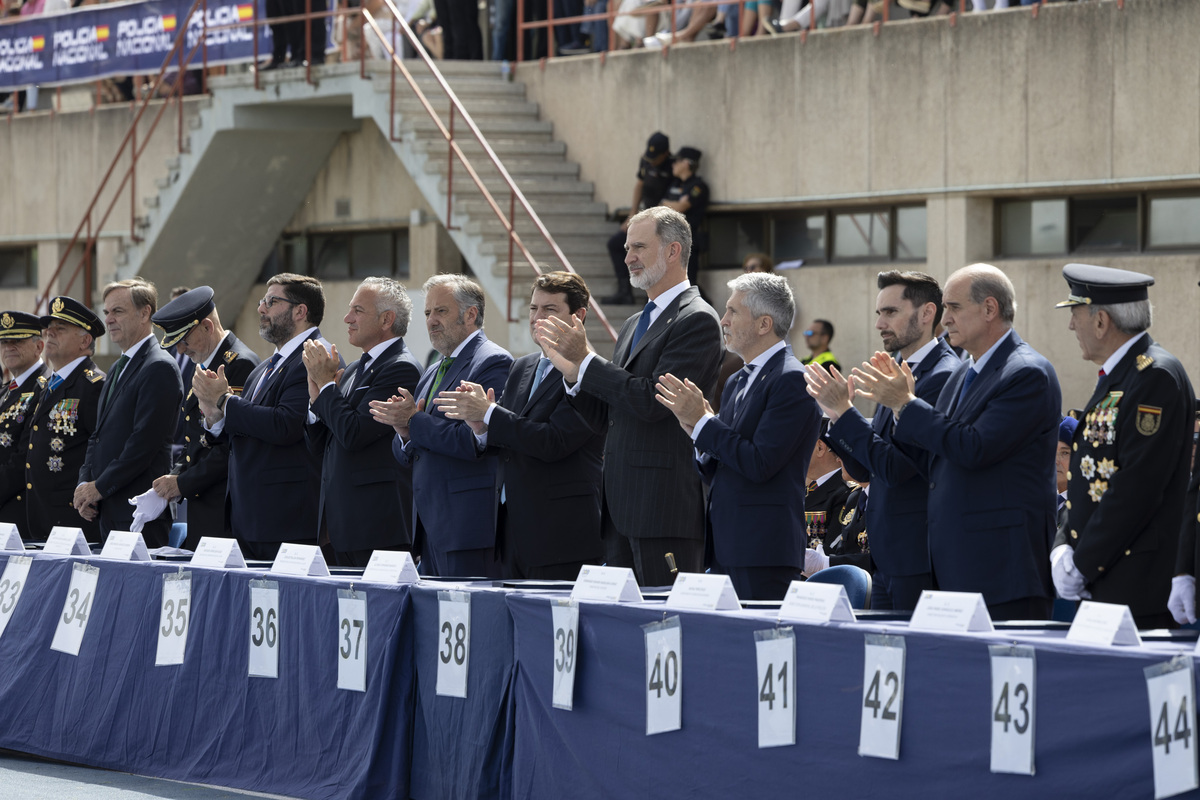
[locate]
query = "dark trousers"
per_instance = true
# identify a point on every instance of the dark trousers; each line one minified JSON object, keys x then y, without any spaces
{"x":762,"y":583}
{"x":290,"y":35}
{"x":616,"y":251}
{"x":647,"y":556}
{"x":461,"y":38}
{"x":899,"y":593}
{"x":1022,"y":608}
{"x":479,"y":563}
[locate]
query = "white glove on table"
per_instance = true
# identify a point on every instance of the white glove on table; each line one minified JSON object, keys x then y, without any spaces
{"x":149,"y":507}
{"x":1068,"y":581}
{"x":1182,"y":603}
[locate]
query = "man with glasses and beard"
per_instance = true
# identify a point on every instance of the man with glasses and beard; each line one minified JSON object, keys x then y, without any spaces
{"x":274,"y":481}
{"x":908,"y":309}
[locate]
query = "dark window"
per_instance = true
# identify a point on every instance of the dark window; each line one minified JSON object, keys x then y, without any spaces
{"x":18,"y":267}
{"x":341,"y":255}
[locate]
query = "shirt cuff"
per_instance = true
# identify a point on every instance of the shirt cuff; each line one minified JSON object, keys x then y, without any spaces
{"x":313,"y":419}
{"x":487,"y":416}
{"x":583,"y":365}
{"x":699,"y":426}
{"x":481,"y":441}
{"x":215,"y":430}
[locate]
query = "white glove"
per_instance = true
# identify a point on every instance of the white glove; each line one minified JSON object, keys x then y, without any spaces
{"x":1068,"y":581}
{"x":149,"y":507}
{"x":815,"y":561}
{"x":1182,"y":603}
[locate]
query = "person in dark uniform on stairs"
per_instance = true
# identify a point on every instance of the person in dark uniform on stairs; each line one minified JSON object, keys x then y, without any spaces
{"x":653,"y":178}
{"x":688,"y":194}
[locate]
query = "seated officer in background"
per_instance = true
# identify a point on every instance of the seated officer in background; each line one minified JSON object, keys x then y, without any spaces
{"x":825,"y":492}
{"x":846,"y":539}
{"x":21,"y":351}
{"x":192,"y":327}
{"x":1129,"y":455}
{"x":64,"y":419}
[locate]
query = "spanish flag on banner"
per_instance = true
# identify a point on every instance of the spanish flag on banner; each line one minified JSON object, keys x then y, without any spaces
{"x":39,"y":43}
{"x":245,"y":11}
{"x":168,"y":22}
{"x":102,"y":33}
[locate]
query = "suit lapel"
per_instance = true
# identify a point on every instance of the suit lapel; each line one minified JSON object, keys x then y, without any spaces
{"x":660,"y":325}
{"x":753,"y":393}
{"x":542,"y":389}
{"x":986,"y":377}
{"x":127,"y":375}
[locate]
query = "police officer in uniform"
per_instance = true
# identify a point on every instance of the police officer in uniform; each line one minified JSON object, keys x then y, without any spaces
{"x":846,"y":539}
{"x":688,"y":194}
{"x":199,"y":475}
{"x":21,"y":351}
{"x":1130,"y":454}
{"x":64,"y":419}
{"x":653,"y":178}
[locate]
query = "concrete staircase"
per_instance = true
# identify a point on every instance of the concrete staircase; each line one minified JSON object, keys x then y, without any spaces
{"x":253,"y":155}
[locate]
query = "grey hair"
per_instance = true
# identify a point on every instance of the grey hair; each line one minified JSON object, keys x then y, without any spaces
{"x":988,"y":281}
{"x":669,"y":226}
{"x":390,"y":296}
{"x":767,"y":295}
{"x":467,"y":293}
{"x":1128,"y":318}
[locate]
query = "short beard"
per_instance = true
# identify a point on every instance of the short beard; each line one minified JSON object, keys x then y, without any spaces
{"x":277,"y":333}
{"x":911,"y":333}
{"x":650,"y":275}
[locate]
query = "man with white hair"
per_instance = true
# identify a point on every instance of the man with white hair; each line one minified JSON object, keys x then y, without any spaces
{"x":754,"y":456}
{"x":989,"y":445}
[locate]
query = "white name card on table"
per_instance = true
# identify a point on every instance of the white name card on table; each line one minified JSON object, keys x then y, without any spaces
{"x":607,"y":585}
{"x":1104,"y":624}
{"x":264,"y":629}
{"x":1171,"y":687}
{"x":1014,"y":708}
{"x":454,"y":643}
{"x":300,"y":559}
{"x":124,"y":546}
{"x":66,"y":542}
{"x":951,"y":612}
{"x":352,"y":640}
{"x":883,"y":696}
{"x":564,"y":617}
{"x":77,"y":609}
{"x":775,"y":656}
{"x":12,"y":583}
{"x":703,"y":592}
{"x":808,"y":601}
{"x":11,"y":538}
{"x":664,"y":676}
{"x":174,"y":619}
{"x":391,"y":566}
{"x":217,"y":552}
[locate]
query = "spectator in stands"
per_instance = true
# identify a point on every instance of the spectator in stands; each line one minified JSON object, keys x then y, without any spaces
{"x":596,"y":30}
{"x":461,"y":38}
{"x":692,"y":24}
{"x":817,"y":337}
{"x":688,"y":194}
{"x":290,"y":48}
{"x":199,"y":475}
{"x":653,"y":178}
{"x":832,"y":14}
{"x":758,"y":262}
{"x":136,"y":421}
{"x":21,"y":351}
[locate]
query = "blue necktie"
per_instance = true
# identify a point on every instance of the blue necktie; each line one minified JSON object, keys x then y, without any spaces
{"x":271,"y":362}
{"x":739,"y":388}
{"x":642,"y":324}
{"x":971,"y":375}
{"x":56,"y":381}
{"x":542,"y":368}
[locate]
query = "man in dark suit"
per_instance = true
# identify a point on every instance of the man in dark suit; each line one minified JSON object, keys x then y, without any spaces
{"x":989,"y":445}
{"x":454,"y":491}
{"x":754,"y":456}
{"x":274,"y":481}
{"x":653,"y":502}
{"x":908,"y":310}
{"x":549,"y":451}
{"x":65,"y":417}
{"x":1129,"y":457}
{"x":193,"y":328}
{"x":136,"y":421}
{"x":21,"y":351}
{"x":366,"y":498}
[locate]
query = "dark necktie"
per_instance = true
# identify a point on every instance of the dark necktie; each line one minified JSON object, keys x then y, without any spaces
{"x":262,"y":381}
{"x":642,"y":324}
{"x":363,"y":363}
{"x":442,"y":369}
{"x":739,"y":388}
{"x":55,"y":381}
{"x":542,"y":368}
{"x":971,"y":375}
{"x":113,"y":375}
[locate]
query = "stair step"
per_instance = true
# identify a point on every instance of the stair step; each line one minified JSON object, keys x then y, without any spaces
{"x":463,"y":87}
{"x":474,"y":207}
{"x":500,"y":127}
{"x":547,"y":167}
{"x":476,"y":107}
{"x":450,"y":69}
{"x":503,"y":147}
{"x":528,"y":187}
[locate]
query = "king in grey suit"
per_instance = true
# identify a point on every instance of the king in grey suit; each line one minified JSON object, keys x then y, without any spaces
{"x":653,"y":502}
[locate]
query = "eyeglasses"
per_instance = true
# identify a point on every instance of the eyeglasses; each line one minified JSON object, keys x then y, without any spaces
{"x":270,"y":301}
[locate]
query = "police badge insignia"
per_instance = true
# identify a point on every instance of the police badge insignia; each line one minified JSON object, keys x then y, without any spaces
{"x":7,"y":320}
{"x":58,"y":305}
{"x":1148,"y":420}
{"x":6,"y":439}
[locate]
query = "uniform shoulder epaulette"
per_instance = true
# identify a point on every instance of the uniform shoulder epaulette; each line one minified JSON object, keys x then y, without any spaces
{"x":1143,"y":361}
{"x":230,"y":356}
{"x":41,"y":380}
{"x":93,"y":375}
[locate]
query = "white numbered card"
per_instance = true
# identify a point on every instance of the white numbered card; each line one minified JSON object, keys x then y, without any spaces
{"x":77,"y":609}
{"x":300,"y":559}
{"x":775,"y":654}
{"x":66,"y":542}
{"x":125,"y":546}
{"x":564,"y":618}
{"x":606,"y":584}
{"x":454,"y":643}
{"x":174,"y":618}
{"x":1171,"y":687}
{"x":352,"y":640}
{"x":703,"y":592}
{"x":664,"y":676}
{"x":264,"y":629}
{"x":1014,"y":670}
{"x":883,"y":696}
{"x":10,"y":538}
{"x":12,"y":583}
{"x":217,"y":552}
{"x":391,"y":566}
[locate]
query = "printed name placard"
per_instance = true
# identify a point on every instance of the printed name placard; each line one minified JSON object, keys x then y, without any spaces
{"x":391,"y":566}
{"x":454,"y":643}
{"x":174,"y":619}
{"x":352,"y":640}
{"x":775,"y":655}
{"x":264,"y":629}
{"x":66,"y":542}
{"x":12,"y":583}
{"x":300,"y":559}
{"x":125,"y":546}
{"x":1014,"y":708}
{"x":217,"y":552}
{"x":77,"y":609}
{"x":808,"y":601}
{"x":1171,"y":688}
{"x":951,"y":612}
{"x":703,"y":592}
{"x":883,"y":696}
{"x":607,"y":585}
{"x":664,"y":676}
{"x":1103,"y":624}
{"x":10,"y":538}
{"x":564,"y":618}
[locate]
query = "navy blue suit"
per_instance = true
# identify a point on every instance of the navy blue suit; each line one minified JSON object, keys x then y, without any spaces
{"x":454,"y":491}
{"x":759,"y":458}
{"x":366,"y":497}
{"x":896,"y":517}
{"x":131,"y":445}
{"x":991,"y":475}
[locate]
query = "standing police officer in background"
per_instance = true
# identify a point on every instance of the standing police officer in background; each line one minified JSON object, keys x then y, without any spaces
{"x":688,"y":194}
{"x":21,"y":351}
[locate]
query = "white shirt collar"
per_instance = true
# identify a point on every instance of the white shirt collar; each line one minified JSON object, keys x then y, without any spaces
{"x":209,"y":357}
{"x":1119,"y":353}
{"x":291,"y":344}
{"x":133,"y":351}
{"x":463,"y":343}
{"x":376,"y":351}
{"x":666,"y":298}
{"x":924,"y":350}
{"x":979,"y":365}
{"x":25,"y":375}
{"x":66,"y":371}
{"x":821,"y":480}
{"x":760,"y":361}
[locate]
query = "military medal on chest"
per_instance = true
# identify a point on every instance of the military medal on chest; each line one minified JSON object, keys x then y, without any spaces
{"x":55,"y":463}
{"x":815,"y":522}
{"x":64,"y":416}
{"x":1100,"y":424}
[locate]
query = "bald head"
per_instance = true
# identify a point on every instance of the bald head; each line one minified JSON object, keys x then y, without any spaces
{"x":980,"y":305}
